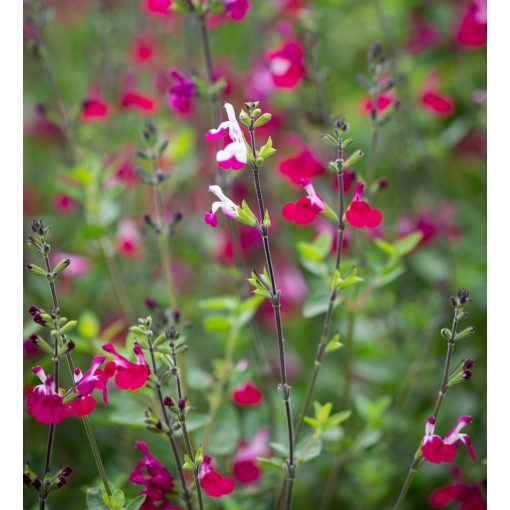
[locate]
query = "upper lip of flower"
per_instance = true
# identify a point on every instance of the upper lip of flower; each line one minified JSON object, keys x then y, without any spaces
{"x":229,"y":208}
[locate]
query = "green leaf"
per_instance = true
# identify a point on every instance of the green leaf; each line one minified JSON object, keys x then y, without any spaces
{"x":267,"y":149}
{"x":334,"y":344}
{"x":226,"y":431}
{"x":273,"y":463}
{"x":385,"y":246}
{"x":94,"y":498}
{"x":88,"y":324}
{"x":219,"y":303}
{"x":338,"y":418}
{"x":188,"y":465}
{"x":217,"y":323}
{"x":318,"y":302}
{"x":135,"y":503}
{"x":310,"y":449}
{"x":280,"y":448}
{"x":408,"y":243}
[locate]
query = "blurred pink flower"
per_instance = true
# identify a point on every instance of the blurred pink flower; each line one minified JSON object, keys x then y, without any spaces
{"x":157,"y":7}
{"x":41,"y":126}
{"x":64,"y":203}
{"x":422,"y":34}
{"x":472,"y":29}
{"x":287,"y":64}
{"x":129,"y":240}
{"x":143,"y":50}
{"x":435,"y":102}
{"x":245,"y":467}
{"x":94,"y":109}
{"x":182,"y":90}
{"x":237,"y":9}
{"x":247,"y":394}
{"x":383,"y":101}
{"x":143,"y":103}
{"x":79,"y":265}
{"x":213,"y":483}
{"x":303,"y":165}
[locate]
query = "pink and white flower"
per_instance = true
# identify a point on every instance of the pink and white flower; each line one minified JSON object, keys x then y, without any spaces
{"x":246,"y":469}
{"x":229,"y":208}
{"x":437,"y":449}
{"x":235,"y":154}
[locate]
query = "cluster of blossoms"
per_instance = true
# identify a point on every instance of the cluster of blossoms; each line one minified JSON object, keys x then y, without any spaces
{"x":48,"y":404}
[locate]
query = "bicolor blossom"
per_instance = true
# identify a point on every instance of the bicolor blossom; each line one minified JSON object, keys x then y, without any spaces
{"x":181,"y":92}
{"x":156,"y":479}
{"x":245,"y":467}
{"x":437,"y":449}
{"x":129,"y":239}
{"x":304,"y":165}
{"x":306,"y":208}
{"x":237,"y":9}
{"x":247,"y":394}
{"x":436,"y":102}
{"x":235,"y":154}
{"x":94,"y":109}
{"x":472,"y":30}
{"x":360,"y":214}
{"x":129,"y":375}
{"x":286,"y":64}
{"x":214,"y":483}
{"x":44,"y":401}
{"x":228,"y":208}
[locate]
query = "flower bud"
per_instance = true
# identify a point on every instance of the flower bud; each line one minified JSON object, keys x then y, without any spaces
{"x":150,"y":303}
{"x":61,"y":481}
{"x":67,"y":470}
{"x":463,"y":296}
{"x":168,"y":401}
{"x":36,"y":482}
{"x":182,"y":404}
{"x":33,"y":310}
{"x":61,"y":266}
{"x":468,"y":363}
{"x":466,"y":374}
{"x":26,"y":479}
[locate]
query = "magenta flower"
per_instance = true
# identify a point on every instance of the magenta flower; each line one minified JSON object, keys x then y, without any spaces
{"x":472,"y":31}
{"x":435,"y":102}
{"x":157,"y":7}
{"x":88,"y":382}
{"x":303,"y":165}
{"x":229,"y":208}
{"x":360,"y":214}
{"x":214,"y":483}
{"x":247,"y":394}
{"x":64,"y":203}
{"x":129,"y":240}
{"x":234,"y":155}
{"x":181,"y":92}
{"x":132,"y":99}
{"x":286,"y":64}
{"x":437,"y":449}
{"x":246,"y":469}
{"x":156,"y":479}
{"x":143,"y":50}
{"x":306,"y":208}
{"x":44,"y":402}
{"x":129,"y":376}
{"x":94,"y":109}
{"x":237,"y":9}
{"x":469,"y":496}
{"x":383,"y":101}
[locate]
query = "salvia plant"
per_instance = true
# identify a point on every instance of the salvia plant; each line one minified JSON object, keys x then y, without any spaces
{"x":241,"y":294}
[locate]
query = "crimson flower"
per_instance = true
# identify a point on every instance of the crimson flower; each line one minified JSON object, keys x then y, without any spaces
{"x":360,"y":214}
{"x":156,"y":479}
{"x":157,"y":7}
{"x":383,"y":101}
{"x":469,"y":496}
{"x":129,"y":376}
{"x":237,"y":9}
{"x":143,"y":50}
{"x":247,"y":394}
{"x":437,"y":449}
{"x":303,"y":165}
{"x":286,"y":64}
{"x":44,"y":401}
{"x":214,"y":483}
{"x":94,"y":109}
{"x":472,"y":30}
{"x":64,"y":203}
{"x":129,"y":240}
{"x":136,"y":100}
{"x":181,"y":92}
{"x":306,"y":208}
{"x":435,"y":102}
{"x":246,"y":469}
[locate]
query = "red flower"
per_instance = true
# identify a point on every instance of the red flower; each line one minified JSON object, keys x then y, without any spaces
{"x":64,"y":203}
{"x":138,"y":101}
{"x":213,"y":483}
{"x":44,"y":401}
{"x":303,"y":165}
{"x":246,"y":469}
{"x":83,"y":406}
{"x":247,"y":394}
{"x":472,"y":31}
{"x":469,"y":496}
{"x":437,"y":449}
{"x":143,"y":50}
{"x":306,"y":208}
{"x":129,"y":240}
{"x":435,"y":102}
{"x":151,"y":473}
{"x":94,"y":109}
{"x":286,"y":64}
{"x":129,"y":376}
{"x":157,"y":7}
{"x":348,"y":180}
{"x":383,"y":101}
{"x":237,"y":9}
{"x":360,"y":214}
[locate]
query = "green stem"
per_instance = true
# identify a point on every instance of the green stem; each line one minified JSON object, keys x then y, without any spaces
{"x":349,"y":356}
{"x":417,"y":461}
